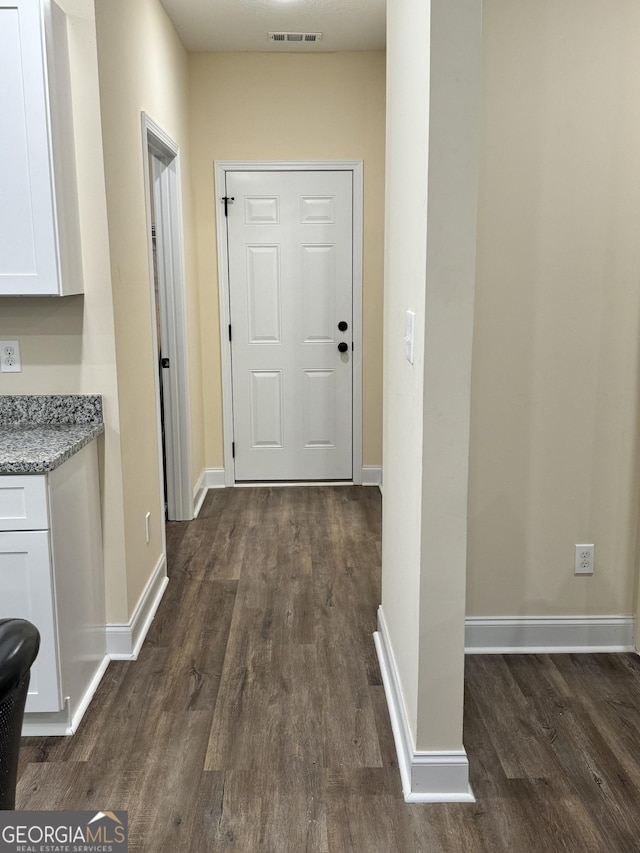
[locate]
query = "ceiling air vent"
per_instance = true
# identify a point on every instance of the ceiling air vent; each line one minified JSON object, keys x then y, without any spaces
{"x":299,"y":37}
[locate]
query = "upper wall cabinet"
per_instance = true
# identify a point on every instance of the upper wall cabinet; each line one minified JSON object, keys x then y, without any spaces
{"x":40,"y":253}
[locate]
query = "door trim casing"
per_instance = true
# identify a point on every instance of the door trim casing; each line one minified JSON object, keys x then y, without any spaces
{"x":221,"y":167}
{"x":173,"y":311}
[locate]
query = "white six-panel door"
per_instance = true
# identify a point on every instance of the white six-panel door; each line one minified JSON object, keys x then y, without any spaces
{"x":290,"y":248}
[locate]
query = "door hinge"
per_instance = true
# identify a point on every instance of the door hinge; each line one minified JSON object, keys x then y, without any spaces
{"x":227,"y":200}
{"x":229,"y":331}
{"x":233,"y":449}
{"x":164,"y":362}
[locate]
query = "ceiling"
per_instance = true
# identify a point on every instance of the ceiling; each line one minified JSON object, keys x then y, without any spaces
{"x":244,"y":25}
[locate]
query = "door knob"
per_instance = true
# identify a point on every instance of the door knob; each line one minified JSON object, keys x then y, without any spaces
{"x":343,"y":325}
{"x":343,"y":347}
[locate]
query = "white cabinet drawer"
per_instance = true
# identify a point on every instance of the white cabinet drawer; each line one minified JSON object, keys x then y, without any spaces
{"x":27,"y":593}
{"x":23,"y":502}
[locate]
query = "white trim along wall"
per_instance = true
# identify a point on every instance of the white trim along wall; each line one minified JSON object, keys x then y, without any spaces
{"x":432,"y":777}
{"x":165,"y":155}
{"x":124,"y":641}
{"x":427,"y":777}
{"x":549,"y":634}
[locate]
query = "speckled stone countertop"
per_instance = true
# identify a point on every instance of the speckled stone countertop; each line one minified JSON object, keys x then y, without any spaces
{"x":39,"y":433}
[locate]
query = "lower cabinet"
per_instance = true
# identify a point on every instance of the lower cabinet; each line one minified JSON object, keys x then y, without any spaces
{"x":28,"y":592}
{"x":51,"y":574}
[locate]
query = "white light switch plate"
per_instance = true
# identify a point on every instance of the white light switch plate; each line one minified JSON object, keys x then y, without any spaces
{"x":408,"y":335}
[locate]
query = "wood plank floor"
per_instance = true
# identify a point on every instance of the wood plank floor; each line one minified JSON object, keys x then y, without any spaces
{"x":255,"y":720}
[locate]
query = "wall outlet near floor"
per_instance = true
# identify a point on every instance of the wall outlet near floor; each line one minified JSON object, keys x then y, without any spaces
{"x":147,"y":526}
{"x":585,"y":556}
{"x":10,"y":361}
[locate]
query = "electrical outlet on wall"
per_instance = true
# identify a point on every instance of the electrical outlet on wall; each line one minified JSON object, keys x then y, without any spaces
{"x":584,"y":559}
{"x":10,"y":361}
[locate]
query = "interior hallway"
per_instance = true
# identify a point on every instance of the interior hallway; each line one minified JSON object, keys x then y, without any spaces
{"x":255,"y":720}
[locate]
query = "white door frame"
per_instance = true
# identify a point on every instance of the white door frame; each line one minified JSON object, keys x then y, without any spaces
{"x":171,"y":293}
{"x":221,"y":168}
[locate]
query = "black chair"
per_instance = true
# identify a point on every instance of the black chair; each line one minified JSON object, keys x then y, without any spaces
{"x":19,"y":644}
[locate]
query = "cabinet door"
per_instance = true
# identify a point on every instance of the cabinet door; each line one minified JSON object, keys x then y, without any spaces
{"x":27,"y":593}
{"x":28,"y":262}
{"x":39,"y":226}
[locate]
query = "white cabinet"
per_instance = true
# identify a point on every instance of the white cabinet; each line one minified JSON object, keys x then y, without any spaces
{"x":27,"y":592}
{"x":40,"y":251}
{"x":51,"y":574}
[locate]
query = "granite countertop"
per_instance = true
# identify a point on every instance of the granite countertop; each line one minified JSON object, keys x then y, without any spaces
{"x":39,"y":433}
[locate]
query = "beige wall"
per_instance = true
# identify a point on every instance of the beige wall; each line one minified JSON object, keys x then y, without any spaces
{"x":143,"y":66}
{"x":555,"y":400}
{"x":555,"y":372}
{"x":67,"y":345}
{"x":289,"y":107}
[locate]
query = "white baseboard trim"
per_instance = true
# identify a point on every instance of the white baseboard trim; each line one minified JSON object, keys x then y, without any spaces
{"x":210,"y":478}
{"x":54,"y":724}
{"x":57,"y":726}
{"x":61,"y":723}
{"x":84,"y":703}
{"x":427,"y":777}
{"x":213,"y":478}
{"x":124,"y":641}
{"x":549,"y":634}
{"x":199,"y":494}
{"x":284,"y":484}
{"x":372,"y":475}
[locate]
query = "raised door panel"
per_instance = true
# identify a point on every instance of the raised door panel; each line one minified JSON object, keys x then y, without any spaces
{"x":321,"y":418}
{"x":27,"y":593}
{"x":266,"y":409}
{"x":317,"y":209}
{"x":263,"y":294}
{"x":318,"y":304}
{"x":261,"y":210}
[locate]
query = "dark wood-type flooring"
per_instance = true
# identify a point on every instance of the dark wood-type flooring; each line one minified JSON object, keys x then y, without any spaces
{"x":255,"y":720}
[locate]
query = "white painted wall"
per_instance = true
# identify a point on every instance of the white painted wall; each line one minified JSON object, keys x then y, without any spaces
{"x":432,"y":143}
{"x":450,"y":282}
{"x":407,"y":149}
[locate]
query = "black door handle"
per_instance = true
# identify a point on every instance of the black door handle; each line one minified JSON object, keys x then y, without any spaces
{"x":343,"y":347}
